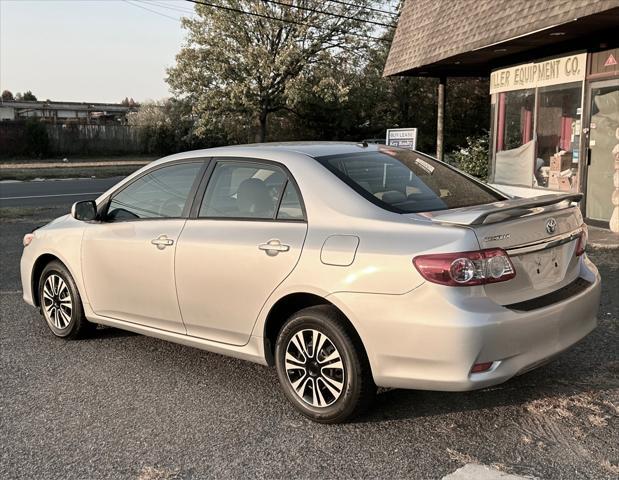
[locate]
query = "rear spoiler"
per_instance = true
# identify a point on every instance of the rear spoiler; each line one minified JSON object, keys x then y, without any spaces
{"x":516,"y":207}
{"x":521,"y":206}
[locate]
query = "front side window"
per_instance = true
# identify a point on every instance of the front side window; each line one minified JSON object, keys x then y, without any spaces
{"x":243,"y":190}
{"x":407,"y":182}
{"x":162,"y":193}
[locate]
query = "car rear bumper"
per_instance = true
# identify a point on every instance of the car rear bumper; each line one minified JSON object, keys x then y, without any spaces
{"x":431,"y":337}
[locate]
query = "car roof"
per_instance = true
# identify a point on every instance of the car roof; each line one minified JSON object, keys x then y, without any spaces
{"x":312,"y":149}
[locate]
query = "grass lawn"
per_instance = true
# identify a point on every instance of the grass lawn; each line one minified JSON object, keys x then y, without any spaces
{"x":67,"y":172}
{"x":66,"y":161}
{"x":14,"y":214}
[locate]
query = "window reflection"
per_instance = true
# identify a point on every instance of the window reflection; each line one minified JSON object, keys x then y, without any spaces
{"x":515,"y":125}
{"x":558,"y":136}
{"x":514,"y":137}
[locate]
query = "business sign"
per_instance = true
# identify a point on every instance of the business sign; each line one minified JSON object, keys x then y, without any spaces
{"x":402,"y":137}
{"x":541,"y":74}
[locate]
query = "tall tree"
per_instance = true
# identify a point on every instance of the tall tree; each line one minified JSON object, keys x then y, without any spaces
{"x":236,"y":66}
{"x":28,"y":96}
{"x":7,"y":95}
{"x":352,"y":100}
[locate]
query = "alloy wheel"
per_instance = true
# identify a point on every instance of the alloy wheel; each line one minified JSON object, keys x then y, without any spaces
{"x":57,"y":302}
{"x":314,"y":368}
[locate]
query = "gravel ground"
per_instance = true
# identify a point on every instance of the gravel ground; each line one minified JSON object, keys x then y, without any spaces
{"x":121,"y":405}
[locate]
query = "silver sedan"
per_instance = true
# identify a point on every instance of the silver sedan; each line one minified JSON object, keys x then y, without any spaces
{"x":346,"y":266}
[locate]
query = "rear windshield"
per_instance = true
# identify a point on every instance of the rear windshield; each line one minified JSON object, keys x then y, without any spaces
{"x":404,"y":181}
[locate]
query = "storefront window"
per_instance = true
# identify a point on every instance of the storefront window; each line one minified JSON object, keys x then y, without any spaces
{"x":515,"y":123}
{"x":557,"y":132}
{"x":514,"y":137}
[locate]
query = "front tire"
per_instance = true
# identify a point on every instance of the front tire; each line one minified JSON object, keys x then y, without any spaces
{"x":322,"y":366}
{"x":61,"y":304}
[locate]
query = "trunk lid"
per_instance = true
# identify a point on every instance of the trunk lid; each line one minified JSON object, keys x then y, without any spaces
{"x":540,"y":235}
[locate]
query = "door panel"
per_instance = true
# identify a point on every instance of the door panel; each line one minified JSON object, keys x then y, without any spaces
{"x":128,"y":259}
{"x":129,"y":278}
{"x":225,"y":271}
{"x":602,"y":142}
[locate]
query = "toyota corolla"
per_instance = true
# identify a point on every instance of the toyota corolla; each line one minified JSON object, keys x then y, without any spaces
{"x":345,"y":266}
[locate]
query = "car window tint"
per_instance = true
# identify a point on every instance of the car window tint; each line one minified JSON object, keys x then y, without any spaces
{"x":159,"y":194}
{"x":243,"y":190}
{"x":290,"y":207}
{"x":406,"y":181}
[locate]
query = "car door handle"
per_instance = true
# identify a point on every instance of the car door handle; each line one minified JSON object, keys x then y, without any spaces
{"x":162,"y":241}
{"x":273,"y":247}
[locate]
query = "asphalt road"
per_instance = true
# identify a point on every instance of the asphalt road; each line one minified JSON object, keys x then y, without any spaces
{"x":33,"y":194}
{"x":120,"y":405}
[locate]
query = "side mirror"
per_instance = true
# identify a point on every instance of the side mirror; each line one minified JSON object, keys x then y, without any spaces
{"x":85,"y":211}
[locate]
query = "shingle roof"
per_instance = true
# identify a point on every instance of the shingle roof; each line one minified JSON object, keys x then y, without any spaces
{"x":433,"y":30}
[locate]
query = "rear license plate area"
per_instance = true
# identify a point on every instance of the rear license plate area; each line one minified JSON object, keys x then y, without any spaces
{"x":545,"y":267}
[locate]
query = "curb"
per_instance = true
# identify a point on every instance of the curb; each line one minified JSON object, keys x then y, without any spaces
{"x":601,"y":238}
{"x":604,"y":246}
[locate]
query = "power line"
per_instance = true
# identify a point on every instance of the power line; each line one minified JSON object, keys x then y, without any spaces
{"x":313,"y":10}
{"x":294,"y":22}
{"x":348,"y":4}
{"x":253,"y":14}
{"x":378,"y":10}
{"x":188,"y":10}
{"x":152,"y":11}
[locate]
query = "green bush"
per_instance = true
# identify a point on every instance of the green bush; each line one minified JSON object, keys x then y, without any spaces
{"x":166,"y":127}
{"x":473,"y":159}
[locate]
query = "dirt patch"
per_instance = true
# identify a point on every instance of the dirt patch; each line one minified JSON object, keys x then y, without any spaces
{"x":565,"y":407}
{"x":612,"y":468}
{"x":158,"y":473}
{"x":461,"y":457}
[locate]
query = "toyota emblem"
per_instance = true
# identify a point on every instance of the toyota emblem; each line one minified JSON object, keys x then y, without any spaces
{"x":551,"y":225}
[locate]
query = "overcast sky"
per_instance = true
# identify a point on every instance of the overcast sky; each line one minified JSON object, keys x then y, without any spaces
{"x":89,"y":50}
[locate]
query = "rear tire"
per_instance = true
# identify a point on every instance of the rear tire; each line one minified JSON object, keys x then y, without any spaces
{"x":61,"y":304}
{"x":329,"y":384}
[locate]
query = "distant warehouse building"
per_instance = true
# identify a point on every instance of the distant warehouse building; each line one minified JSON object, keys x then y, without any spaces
{"x":65,"y":112}
{"x":554,"y":87}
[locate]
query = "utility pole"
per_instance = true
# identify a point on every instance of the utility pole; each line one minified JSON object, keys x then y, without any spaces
{"x":440,"y":117}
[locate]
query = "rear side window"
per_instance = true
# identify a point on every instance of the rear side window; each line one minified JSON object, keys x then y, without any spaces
{"x":243,"y":190}
{"x":161,"y":193}
{"x":290,"y":208}
{"x":407,"y":182}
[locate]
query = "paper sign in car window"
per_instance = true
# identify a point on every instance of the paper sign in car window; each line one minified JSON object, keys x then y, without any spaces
{"x":425,"y":165}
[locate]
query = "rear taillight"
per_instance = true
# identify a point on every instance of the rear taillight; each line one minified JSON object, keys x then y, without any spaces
{"x":464,"y":269}
{"x":581,"y":245}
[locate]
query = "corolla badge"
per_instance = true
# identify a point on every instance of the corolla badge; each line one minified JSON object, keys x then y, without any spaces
{"x":496,"y":238}
{"x":551,"y":225}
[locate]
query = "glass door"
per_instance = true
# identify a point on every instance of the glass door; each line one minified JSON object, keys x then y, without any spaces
{"x":602,"y":203}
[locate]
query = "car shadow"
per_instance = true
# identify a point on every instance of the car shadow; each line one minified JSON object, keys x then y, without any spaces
{"x":104,"y":331}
